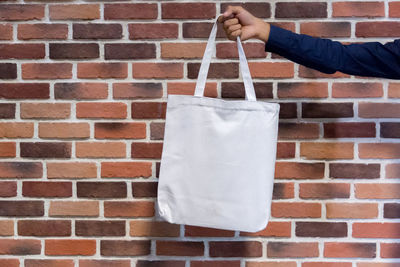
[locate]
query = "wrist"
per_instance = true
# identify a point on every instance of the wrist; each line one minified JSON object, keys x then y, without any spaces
{"x":263,"y":30}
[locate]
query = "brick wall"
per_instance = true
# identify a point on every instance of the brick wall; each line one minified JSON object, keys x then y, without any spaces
{"x":83,"y":96}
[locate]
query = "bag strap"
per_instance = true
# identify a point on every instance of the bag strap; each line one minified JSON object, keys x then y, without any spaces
{"x":205,"y":64}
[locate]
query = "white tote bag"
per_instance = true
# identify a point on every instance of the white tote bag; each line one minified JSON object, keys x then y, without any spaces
{"x":218,"y":158}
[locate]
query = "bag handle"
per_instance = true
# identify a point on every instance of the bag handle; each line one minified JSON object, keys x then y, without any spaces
{"x":205,"y":64}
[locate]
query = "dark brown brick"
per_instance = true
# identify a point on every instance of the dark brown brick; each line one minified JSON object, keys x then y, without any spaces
{"x":8,"y":189}
{"x":44,"y":228}
{"x":97,"y":31}
{"x":19,"y":247}
{"x":144,"y":189}
{"x":46,"y":150}
{"x":8,"y":71}
{"x":7,"y":110}
{"x":235,"y":249}
{"x":301,"y":10}
{"x":391,"y":210}
{"x":101,"y":189}
{"x":24,"y":90}
{"x":148,"y":110}
{"x":129,"y":51}
{"x":153,"y":31}
{"x":85,"y":90}
{"x":157,"y":130}
{"x":158,"y":164}
{"x":260,"y":10}
{"x":201,"y":30}
{"x":219,"y":263}
{"x":321,"y":229}
{"x":130,"y":11}
{"x":283,"y":191}
{"x":216,"y":70}
{"x":327,"y":110}
{"x":21,"y":170}
{"x":188,"y":10}
{"x":22,"y":51}
{"x":390,"y":129}
{"x":349,"y":129}
{"x":207,"y":232}
{"x":236,"y":90}
{"x":292,"y":249}
{"x":21,"y":208}
{"x":125,"y":247}
{"x":180,"y":248}
{"x":99,"y":228}
{"x":101,"y":263}
{"x":288,"y":110}
{"x":146,"y":150}
{"x":73,"y":51}
{"x":324,"y":190}
{"x":137,"y":90}
{"x":47,"y":189}
{"x":354,"y":170}
{"x":21,"y":12}
{"x":146,"y":263}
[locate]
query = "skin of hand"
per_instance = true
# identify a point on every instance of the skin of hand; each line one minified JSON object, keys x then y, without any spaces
{"x":239,"y":22}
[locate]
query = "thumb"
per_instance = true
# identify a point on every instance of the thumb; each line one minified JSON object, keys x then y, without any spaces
{"x":232,"y":10}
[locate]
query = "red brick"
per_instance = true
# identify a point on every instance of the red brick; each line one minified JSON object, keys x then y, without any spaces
{"x":97,"y":31}
{"x":21,"y":169}
{"x":377,"y":264}
{"x":271,"y":264}
{"x":216,"y":70}
{"x":378,"y":110}
{"x":358,"y":9}
{"x":351,"y":210}
{"x":327,"y":150}
{"x":187,"y":88}
{"x":8,"y":149}
{"x":327,"y":264}
{"x":78,"y":91}
{"x":394,"y":90}
{"x":75,"y":170}
{"x":149,"y":110}
{"x":208,"y":263}
{"x":295,"y":210}
{"x":129,"y":209}
{"x":137,"y":90}
{"x":6,"y":31}
{"x":252,"y":50}
{"x":182,"y":50}
{"x":301,"y":10}
{"x":22,"y":51}
{"x":16,"y":129}
{"x":45,"y":110}
{"x":378,"y":29}
{"x":100,"y":149}
{"x":273,"y":229}
{"x":349,"y":129}
{"x":20,"y":247}
{"x":101,"y":189}
{"x":195,"y":231}
{"x":321,"y":229}
{"x":390,"y":250}
{"x":74,"y":12}
{"x":302,"y":90}
{"x":326,"y":29}
{"x":235,"y":249}
{"x":286,"y":150}
{"x":8,"y":189}
{"x":271,"y":69}
{"x":324,"y":190}
{"x":236,"y":90}
{"x":394,"y":10}
{"x":74,"y":208}
{"x":377,"y":191}
{"x":130,"y":11}
{"x":42,"y":31}
{"x":118,"y":130}
{"x":292,"y":250}
{"x":103,"y":110}
{"x":393,"y":170}
{"x":299,"y":170}
{"x":160,"y":263}
{"x":146,"y":150}
{"x":46,"y":70}
{"x":305,"y":72}
{"x":63,"y":130}
{"x":11,"y":262}
{"x":349,"y":250}
{"x":298,"y":131}
{"x":125,"y":247}
{"x":49,"y":263}
{"x":357,"y":90}
{"x":6,"y":228}
{"x":379,"y":150}
{"x":44,"y":228}
{"x":163,"y":31}
{"x":21,"y":12}
{"x":99,"y":228}
{"x":201,"y":30}
{"x":283,"y":191}
{"x":376,"y":230}
{"x":354,"y":170}
{"x":104,"y":263}
{"x":153,"y":229}
{"x":162,"y":70}
{"x":125,"y":169}
{"x":102,"y":70}
{"x":74,"y":51}
{"x":179,"y":248}
{"x":188,"y":10}
{"x":67,"y":247}
{"x":47,"y":189}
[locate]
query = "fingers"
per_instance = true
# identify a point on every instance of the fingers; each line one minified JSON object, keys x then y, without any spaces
{"x":233,"y":28}
{"x":233,"y":35}
{"x":230,"y":22}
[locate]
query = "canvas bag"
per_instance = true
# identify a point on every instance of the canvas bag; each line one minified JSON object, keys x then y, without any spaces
{"x":218,"y":158}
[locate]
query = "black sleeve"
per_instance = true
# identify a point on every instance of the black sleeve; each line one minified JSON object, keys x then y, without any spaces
{"x":371,"y":59}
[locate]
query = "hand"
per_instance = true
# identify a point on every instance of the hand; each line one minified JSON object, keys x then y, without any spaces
{"x":239,"y":22}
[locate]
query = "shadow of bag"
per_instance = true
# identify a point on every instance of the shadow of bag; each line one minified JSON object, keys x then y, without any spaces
{"x":218,"y":158}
